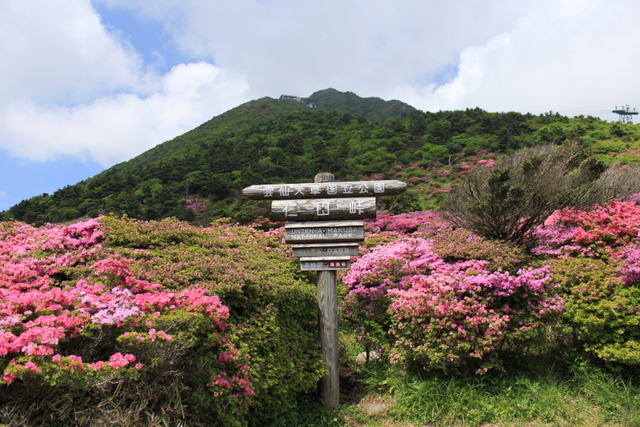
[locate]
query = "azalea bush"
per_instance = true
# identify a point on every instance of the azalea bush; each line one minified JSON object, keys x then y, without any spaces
{"x":436,"y":303}
{"x":387,"y":227}
{"x":463,"y":314}
{"x":142,"y":322}
{"x":450,"y":243}
{"x":600,"y":231}
{"x":372,"y":277}
{"x":601,"y":307}
{"x":595,"y":260}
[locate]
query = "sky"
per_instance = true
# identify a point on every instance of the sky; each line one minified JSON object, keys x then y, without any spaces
{"x":86,"y":84}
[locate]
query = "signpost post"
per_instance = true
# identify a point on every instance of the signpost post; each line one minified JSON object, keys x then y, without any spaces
{"x":327,"y":288}
{"x":327,"y":226}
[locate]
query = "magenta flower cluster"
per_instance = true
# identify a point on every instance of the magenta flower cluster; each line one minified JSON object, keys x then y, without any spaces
{"x":40,"y":317}
{"x":600,"y":231}
{"x":609,"y":232}
{"x":408,"y":301}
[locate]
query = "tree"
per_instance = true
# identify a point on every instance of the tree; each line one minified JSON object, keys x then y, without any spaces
{"x":507,"y":201}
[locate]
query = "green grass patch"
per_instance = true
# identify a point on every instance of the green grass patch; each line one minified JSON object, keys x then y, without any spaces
{"x":536,"y":392}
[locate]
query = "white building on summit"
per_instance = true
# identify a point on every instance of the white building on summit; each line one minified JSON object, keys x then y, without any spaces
{"x":309,"y":102}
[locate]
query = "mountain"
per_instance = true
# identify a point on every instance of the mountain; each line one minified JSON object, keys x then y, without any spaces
{"x":199,"y":175}
{"x":375,"y":109}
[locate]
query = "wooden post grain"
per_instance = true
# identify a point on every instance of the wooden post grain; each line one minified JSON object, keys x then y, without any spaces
{"x":328,"y":326}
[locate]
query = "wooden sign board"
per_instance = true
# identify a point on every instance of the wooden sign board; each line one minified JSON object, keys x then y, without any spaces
{"x":324,"y":190}
{"x":323,"y":209}
{"x":324,"y":231}
{"x":324,"y":263}
{"x":325,"y":249}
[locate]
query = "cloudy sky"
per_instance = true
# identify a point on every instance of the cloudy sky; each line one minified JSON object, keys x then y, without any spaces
{"x":88,"y":84}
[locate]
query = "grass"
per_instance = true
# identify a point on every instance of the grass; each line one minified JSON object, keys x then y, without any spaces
{"x":539,"y":390}
{"x":507,"y":399}
{"x":534,"y":391}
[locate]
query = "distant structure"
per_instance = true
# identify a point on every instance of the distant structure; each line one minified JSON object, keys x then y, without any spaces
{"x":626,"y":116}
{"x":309,"y":102}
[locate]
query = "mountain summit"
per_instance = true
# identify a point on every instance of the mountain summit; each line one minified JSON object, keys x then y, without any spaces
{"x":199,"y":176}
{"x":260,"y":140}
{"x":375,"y":109}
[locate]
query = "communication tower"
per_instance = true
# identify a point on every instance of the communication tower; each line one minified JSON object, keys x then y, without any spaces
{"x":626,"y":116}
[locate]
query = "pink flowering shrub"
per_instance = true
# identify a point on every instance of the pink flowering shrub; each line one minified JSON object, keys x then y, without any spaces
{"x":388,"y":227}
{"x":601,"y":231}
{"x":630,"y":266}
{"x":440,"y":312}
{"x":424,"y":222}
{"x":462,"y":313}
{"x":108,"y":303}
{"x":460,"y":245}
{"x":372,"y":277}
{"x":595,"y":260}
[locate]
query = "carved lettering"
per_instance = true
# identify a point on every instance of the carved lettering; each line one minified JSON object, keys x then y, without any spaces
{"x":268,"y":191}
{"x":284,"y":191}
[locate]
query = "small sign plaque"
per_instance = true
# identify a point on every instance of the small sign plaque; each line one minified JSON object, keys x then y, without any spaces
{"x":325,"y":249}
{"x":323,"y":209}
{"x":324,"y":263}
{"x":324,"y":231}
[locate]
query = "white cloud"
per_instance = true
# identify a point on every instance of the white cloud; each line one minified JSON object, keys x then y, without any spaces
{"x":472,"y":71}
{"x":516,"y":55}
{"x":115,"y":128}
{"x":575,"y":55}
{"x":71,"y":87}
{"x":289,"y":46}
{"x":57,"y":52}
{"x":563,"y":55}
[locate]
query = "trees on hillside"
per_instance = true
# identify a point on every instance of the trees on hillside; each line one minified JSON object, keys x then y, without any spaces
{"x":263,"y":143}
{"x":507,"y":201}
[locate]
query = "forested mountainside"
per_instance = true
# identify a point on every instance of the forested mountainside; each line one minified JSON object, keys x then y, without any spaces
{"x":199,"y":176}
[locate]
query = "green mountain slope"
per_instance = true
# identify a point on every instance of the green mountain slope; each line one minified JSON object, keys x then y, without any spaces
{"x":199,"y":176}
{"x":375,"y":109}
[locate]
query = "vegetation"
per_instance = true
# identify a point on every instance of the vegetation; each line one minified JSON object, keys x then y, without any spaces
{"x":154,"y":321}
{"x":120,"y":322}
{"x":198,"y":177}
{"x":124,"y":322}
{"x":560,"y":348}
{"x":375,"y":109}
{"x":509,"y":200}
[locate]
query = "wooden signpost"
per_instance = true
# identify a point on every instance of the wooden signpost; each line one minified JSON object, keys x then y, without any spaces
{"x":325,"y":189}
{"x":327,"y":224}
{"x":324,"y":231}
{"x":325,"y":249}
{"x":323,"y":209}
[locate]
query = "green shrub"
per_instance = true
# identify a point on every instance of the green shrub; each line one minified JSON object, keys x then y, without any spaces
{"x":602,"y":309}
{"x":122,"y":322}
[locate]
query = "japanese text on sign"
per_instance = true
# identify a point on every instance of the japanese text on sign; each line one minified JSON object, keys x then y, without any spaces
{"x":326,"y":189}
{"x":268,"y":191}
{"x":323,"y":209}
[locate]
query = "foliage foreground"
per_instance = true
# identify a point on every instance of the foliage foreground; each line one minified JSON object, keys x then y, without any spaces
{"x":119,"y":322}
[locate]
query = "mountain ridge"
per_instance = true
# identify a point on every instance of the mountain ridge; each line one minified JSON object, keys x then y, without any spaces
{"x":198,"y":176}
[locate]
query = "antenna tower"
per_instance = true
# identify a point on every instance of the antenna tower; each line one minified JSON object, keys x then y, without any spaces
{"x":626,"y":116}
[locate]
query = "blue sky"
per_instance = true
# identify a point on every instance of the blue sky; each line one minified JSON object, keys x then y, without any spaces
{"x":87,"y":84}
